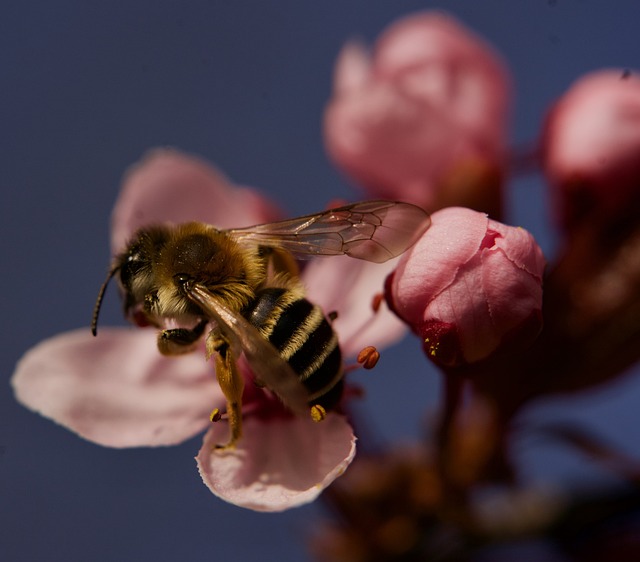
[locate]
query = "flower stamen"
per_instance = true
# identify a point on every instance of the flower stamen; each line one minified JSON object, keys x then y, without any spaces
{"x":368,"y":357}
{"x":376,"y":301}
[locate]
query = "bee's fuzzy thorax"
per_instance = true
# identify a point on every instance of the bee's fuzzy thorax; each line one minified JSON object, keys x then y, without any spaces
{"x":210,"y":257}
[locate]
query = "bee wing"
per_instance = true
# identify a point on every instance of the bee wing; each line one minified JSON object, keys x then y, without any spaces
{"x":375,"y":231}
{"x":264,"y":359}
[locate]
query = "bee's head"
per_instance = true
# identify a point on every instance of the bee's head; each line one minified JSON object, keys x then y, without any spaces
{"x":135,"y":271}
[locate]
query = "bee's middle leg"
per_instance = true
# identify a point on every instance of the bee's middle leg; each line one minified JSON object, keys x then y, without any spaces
{"x":232,"y":385}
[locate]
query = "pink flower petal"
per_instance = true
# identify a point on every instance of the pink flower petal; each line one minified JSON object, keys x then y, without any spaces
{"x":353,"y":68}
{"x":591,"y":143}
{"x":278,"y":464}
{"x":430,"y":102}
{"x":516,"y":244}
{"x":116,"y":389}
{"x":513,"y":296}
{"x":434,"y":56}
{"x":434,"y":262}
{"x":469,"y":286}
{"x":348,"y":286}
{"x":170,"y":186}
{"x":379,"y":137}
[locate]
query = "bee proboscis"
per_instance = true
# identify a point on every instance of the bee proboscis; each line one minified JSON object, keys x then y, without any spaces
{"x":242,"y":286}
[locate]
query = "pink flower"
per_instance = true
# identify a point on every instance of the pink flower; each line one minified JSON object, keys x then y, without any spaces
{"x":591,"y":147}
{"x":468,"y":287}
{"x":118,"y":390}
{"x":431,"y":102}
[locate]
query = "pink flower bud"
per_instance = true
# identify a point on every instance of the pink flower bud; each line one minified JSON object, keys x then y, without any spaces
{"x":469,"y":286}
{"x":591,"y":147}
{"x":431,"y":100}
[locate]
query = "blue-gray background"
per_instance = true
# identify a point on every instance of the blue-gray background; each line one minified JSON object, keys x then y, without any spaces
{"x":87,"y":87}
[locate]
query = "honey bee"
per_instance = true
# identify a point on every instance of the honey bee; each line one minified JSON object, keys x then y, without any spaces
{"x":241,"y":287}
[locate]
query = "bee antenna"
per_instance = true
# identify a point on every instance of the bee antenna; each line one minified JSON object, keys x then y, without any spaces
{"x":96,"y":308}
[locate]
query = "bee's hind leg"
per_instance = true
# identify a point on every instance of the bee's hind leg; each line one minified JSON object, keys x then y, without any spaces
{"x":177,"y":341}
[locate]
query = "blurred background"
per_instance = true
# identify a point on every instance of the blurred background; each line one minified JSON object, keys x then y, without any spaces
{"x":87,"y":88}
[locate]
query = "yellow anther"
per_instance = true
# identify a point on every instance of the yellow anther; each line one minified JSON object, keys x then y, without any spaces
{"x":318,"y":413}
{"x":215,"y":415}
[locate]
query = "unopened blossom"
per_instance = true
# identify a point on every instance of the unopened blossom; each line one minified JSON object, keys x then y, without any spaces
{"x":591,"y":147}
{"x":423,"y":117}
{"x":469,"y":287}
{"x":117,"y":390}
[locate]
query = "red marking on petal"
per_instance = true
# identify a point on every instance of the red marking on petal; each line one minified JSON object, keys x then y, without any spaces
{"x":442,"y":344}
{"x":489,"y":240}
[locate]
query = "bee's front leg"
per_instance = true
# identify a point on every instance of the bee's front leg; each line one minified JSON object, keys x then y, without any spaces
{"x":180,"y":340}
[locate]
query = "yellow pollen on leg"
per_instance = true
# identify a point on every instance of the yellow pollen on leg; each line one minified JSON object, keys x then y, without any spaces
{"x":318,"y":413}
{"x":215,"y":415}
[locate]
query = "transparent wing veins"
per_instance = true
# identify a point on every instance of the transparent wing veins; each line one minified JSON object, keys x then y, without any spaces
{"x":375,"y":231}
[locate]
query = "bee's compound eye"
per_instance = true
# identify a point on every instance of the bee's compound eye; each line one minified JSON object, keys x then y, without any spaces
{"x":182,"y":279}
{"x":131,"y":266}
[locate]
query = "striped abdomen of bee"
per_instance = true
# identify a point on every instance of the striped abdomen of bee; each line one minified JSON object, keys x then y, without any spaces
{"x":304,"y":338}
